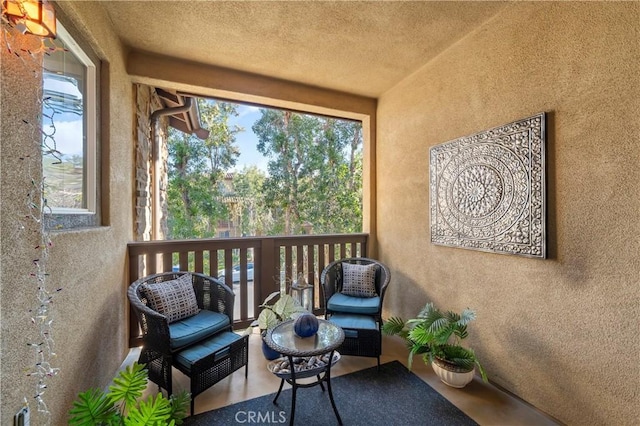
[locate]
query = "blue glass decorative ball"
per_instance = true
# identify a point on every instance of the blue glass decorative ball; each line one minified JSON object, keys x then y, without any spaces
{"x":306,"y":325}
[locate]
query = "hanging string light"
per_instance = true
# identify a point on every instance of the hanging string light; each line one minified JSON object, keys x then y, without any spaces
{"x":41,"y":315}
{"x":16,"y":16}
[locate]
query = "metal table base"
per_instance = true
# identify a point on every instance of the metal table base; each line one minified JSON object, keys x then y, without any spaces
{"x":326,"y":377}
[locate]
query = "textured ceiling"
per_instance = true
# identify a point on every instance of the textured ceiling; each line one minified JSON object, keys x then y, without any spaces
{"x":363,"y":48}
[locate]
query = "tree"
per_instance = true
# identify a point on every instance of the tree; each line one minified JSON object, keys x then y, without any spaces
{"x":221,"y":151}
{"x":315,"y":169}
{"x":286,"y":138}
{"x":338,"y":186}
{"x":196,"y":169}
{"x":314,"y":176}
{"x":255,"y":216}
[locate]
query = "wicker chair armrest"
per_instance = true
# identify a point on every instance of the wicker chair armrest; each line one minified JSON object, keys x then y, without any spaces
{"x":213,"y":295}
{"x":154,"y":325}
{"x":329,"y":281}
{"x":385,"y":278}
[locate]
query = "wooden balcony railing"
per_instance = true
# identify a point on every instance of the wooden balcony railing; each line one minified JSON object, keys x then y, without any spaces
{"x":277,"y":261}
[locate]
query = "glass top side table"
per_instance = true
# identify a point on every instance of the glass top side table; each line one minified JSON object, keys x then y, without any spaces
{"x":283,"y":339}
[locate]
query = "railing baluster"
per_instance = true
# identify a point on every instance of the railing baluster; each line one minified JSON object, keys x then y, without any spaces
{"x":311,"y":274}
{"x":184,"y":261}
{"x":228,"y":267}
{"x":322,"y":262}
{"x":243,"y":283}
{"x":268,"y":267}
{"x":151,"y":263}
{"x":270,"y":255}
{"x":134,"y":271}
{"x":167,"y":261}
{"x":198,"y":264}
{"x":299,"y":260}
{"x":288,"y":263}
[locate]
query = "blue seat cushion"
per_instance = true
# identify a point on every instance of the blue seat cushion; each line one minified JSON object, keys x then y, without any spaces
{"x":195,"y":328}
{"x":351,"y":323}
{"x":354,"y":305}
{"x":218,"y":345}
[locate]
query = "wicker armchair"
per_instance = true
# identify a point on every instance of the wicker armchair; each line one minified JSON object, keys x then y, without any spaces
{"x":360,"y":317}
{"x":167,"y":344}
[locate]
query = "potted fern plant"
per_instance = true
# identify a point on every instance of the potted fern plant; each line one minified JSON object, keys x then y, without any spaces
{"x":122,"y":404}
{"x":437,"y":336}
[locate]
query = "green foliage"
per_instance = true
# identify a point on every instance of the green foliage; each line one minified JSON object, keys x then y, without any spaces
{"x":93,"y":407}
{"x":315,"y":172}
{"x":122,"y":405}
{"x":314,"y":176}
{"x":256,"y":218}
{"x":437,"y":334}
{"x":196,"y":172}
{"x":179,"y":403}
{"x":283,"y":309}
{"x":153,"y":411}
{"x":129,"y":385}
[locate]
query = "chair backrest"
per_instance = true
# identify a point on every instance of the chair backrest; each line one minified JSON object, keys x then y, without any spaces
{"x":331,"y":277}
{"x":211,"y":294}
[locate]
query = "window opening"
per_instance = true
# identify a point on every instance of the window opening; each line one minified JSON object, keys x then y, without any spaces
{"x":69,"y":122}
{"x":307,"y":178}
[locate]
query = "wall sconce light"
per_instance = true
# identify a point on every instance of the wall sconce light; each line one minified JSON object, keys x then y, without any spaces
{"x":36,"y":17}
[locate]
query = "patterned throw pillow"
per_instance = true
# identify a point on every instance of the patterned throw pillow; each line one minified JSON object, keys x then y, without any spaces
{"x":359,"y":280}
{"x":175,"y":299}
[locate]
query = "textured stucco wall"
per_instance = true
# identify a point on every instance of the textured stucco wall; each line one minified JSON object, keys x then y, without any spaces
{"x":19,"y":236}
{"x":561,"y":333}
{"x":90,"y":313}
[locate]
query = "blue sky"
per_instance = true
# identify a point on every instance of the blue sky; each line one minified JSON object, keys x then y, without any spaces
{"x":66,"y":128}
{"x":68,"y":131}
{"x":247,"y":140}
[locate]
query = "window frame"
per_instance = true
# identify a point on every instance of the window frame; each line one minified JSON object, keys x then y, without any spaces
{"x":60,"y":218}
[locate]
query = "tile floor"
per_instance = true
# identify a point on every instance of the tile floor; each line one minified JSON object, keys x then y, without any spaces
{"x":483,"y":402}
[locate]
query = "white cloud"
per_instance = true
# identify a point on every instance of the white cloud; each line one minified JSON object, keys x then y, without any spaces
{"x":68,"y":137}
{"x":244,"y":110}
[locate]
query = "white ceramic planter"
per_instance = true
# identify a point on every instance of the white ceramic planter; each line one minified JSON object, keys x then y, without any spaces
{"x":452,"y":378}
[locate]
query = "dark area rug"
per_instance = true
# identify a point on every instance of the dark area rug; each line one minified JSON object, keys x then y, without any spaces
{"x":391,"y":396}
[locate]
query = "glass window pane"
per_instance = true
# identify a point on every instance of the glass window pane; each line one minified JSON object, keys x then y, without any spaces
{"x":64,"y":131}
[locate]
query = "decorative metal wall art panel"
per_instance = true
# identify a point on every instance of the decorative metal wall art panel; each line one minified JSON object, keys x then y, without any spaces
{"x":488,"y":190}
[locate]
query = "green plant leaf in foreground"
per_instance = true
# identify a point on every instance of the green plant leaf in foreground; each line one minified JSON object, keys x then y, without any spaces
{"x":92,"y":407}
{"x":179,"y":405}
{"x":152,"y":412}
{"x":129,"y":385}
{"x":122,"y":405}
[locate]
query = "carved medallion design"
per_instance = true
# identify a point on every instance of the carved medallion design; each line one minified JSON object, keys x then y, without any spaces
{"x":487,"y":190}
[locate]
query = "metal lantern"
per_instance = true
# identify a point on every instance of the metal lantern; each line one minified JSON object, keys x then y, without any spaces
{"x":302,"y":291}
{"x":37,"y":17}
